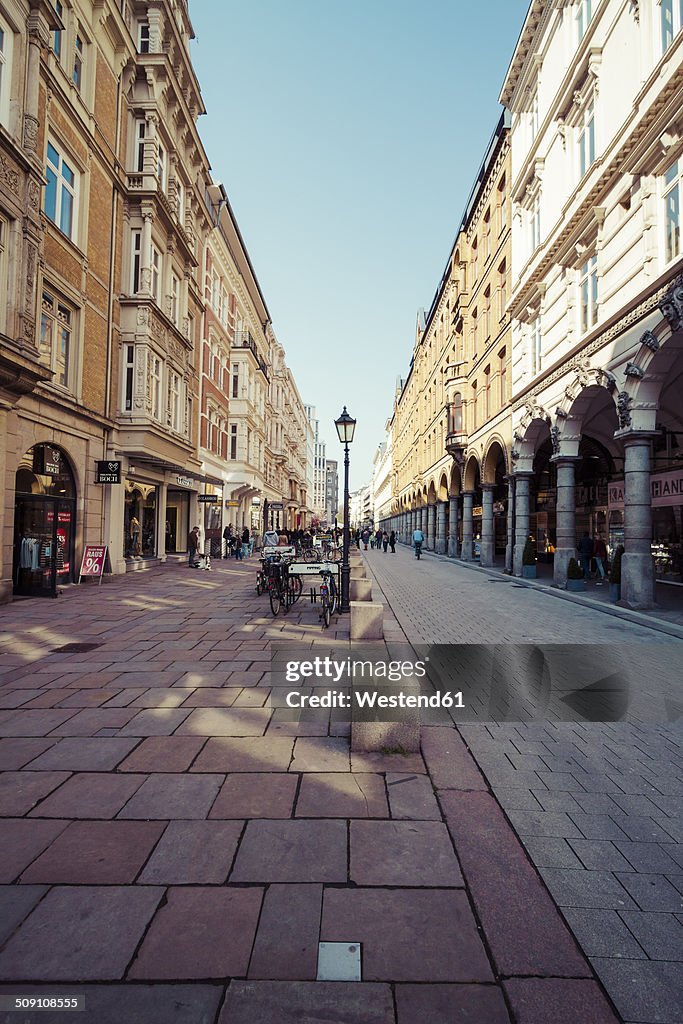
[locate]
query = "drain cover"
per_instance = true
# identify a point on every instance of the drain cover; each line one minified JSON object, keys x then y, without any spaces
{"x":74,"y":648}
{"x":338,"y":961}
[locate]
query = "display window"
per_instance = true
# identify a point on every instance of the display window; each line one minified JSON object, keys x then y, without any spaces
{"x":140,"y":520}
{"x":177,"y":524}
{"x":44,"y":522}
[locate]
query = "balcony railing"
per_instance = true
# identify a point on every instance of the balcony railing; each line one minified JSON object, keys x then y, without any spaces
{"x":243,"y":339}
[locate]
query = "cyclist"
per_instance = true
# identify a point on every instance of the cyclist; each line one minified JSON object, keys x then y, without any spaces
{"x":418,"y":541}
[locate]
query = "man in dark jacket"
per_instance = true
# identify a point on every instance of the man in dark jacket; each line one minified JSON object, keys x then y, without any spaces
{"x":585,"y":551}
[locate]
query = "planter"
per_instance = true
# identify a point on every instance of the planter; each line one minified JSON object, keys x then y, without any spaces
{"x":576,"y":585}
{"x":529,"y":572}
{"x":615,"y":592}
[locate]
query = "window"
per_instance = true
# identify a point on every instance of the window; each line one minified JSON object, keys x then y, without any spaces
{"x":487,"y":314}
{"x":60,"y":191}
{"x":161,"y":167}
{"x":175,"y":299}
{"x":143,"y":37}
{"x":233,"y":441}
{"x":583,"y":17}
{"x":502,"y":289}
{"x":128,"y":370}
{"x":4,"y":283}
{"x":535,"y":344}
{"x":475,"y":258}
{"x":6,"y":40}
{"x":474,"y":405}
{"x":180,"y":202}
{"x":487,"y":393}
{"x":56,"y":327}
{"x":78,"y":62}
{"x":502,"y":357}
{"x":235,"y":380}
{"x":136,"y":241}
{"x":588,"y":294}
{"x":533,"y":117}
{"x":534,"y":223}
{"x":487,"y":235}
{"x":672,"y":218}
{"x":155,"y":385}
{"x":155,"y":264}
{"x":586,"y":138}
{"x":672,"y":21}
{"x":174,"y":400}
{"x":140,"y":136}
{"x":502,"y":206}
{"x":57,"y":35}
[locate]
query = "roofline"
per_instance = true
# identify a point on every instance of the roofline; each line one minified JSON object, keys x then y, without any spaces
{"x":526,"y":34}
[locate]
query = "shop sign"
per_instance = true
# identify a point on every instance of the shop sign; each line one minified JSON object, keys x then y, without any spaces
{"x":666,"y":489}
{"x":256,"y":501}
{"x":477,"y":511}
{"x":93,"y":561}
{"x":277,"y":506}
{"x":208,"y":499}
{"x":232,"y":504}
{"x":184,"y":481}
{"x":47,"y":461}
{"x":108,"y":472}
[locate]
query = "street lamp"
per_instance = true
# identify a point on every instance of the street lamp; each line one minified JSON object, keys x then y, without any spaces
{"x":346,"y":426}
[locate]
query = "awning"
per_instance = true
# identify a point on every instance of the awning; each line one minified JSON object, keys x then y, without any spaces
{"x":154,"y":462}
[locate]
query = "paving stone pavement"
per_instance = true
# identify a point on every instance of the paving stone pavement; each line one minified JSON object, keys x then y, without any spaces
{"x":174,"y":849}
{"x":598,"y":806}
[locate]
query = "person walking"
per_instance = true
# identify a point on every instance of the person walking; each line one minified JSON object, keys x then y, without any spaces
{"x":392,"y":542}
{"x":385,"y":541}
{"x":365,"y":536}
{"x":244,"y":549}
{"x":192,"y":545}
{"x":585,"y":551}
{"x":227,"y":539}
{"x":600,"y":556}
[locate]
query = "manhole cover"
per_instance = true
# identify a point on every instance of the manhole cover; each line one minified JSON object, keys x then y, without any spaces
{"x":74,"y":648}
{"x":339,"y":961}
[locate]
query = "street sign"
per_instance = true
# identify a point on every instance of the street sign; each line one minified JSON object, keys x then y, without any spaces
{"x":108,"y":472}
{"x":208,"y":498}
{"x":232,"y":504}
{"x":277,"y":506}
{"x":93,"y":561}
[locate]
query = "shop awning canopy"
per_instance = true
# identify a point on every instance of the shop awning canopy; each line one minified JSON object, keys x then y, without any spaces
{"x":154,"y":462}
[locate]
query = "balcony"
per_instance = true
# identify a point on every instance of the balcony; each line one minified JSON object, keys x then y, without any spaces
{"x":456,"y":436}
{"x":243,"y":339}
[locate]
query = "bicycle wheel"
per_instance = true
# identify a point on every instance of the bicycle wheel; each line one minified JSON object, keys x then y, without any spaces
{"x":334,"y":597}
{"x":326,"y":611}
{"x":297,"y":586}
{"x":259,"y":585}
{"x":310,"y":555}
{"x":275,"y":598}
{"x":334,"y":555}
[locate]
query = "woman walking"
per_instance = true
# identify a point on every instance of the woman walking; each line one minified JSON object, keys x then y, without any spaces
{"x":392,"y":542}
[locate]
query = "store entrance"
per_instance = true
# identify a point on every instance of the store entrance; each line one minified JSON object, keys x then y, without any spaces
{"x":44,"y":523}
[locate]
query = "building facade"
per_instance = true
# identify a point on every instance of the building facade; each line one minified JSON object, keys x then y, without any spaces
{"x":450,"y":430}
{"x":318,"y":497}
{"x":597,"y":284}
{"x":331,"y":490}
{"x":135,"y":344}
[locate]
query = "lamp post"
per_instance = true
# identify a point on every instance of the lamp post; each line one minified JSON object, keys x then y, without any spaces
{"x":346,"y":426}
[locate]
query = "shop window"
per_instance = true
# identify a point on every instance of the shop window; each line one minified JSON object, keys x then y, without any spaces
{"x":588,"y":294}
{"x":60,"y":191}
{"x":57,"y":321}
{"x":45,"y":513}
{"x":672,"y":219}
{"x":6,"y":40}
{"x":139,"y":520}
{"x":671,"y":21}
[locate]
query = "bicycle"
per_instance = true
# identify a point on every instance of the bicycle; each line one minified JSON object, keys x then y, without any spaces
{"x":328,"y":596}
{"x":283,"y":590}
{"x":331,"y":552}
{"x":418,"y":549}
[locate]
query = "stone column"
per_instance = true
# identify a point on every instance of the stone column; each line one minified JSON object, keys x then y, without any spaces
{"x":467,"y":526}
{"x":488,"y":543}
{"x":510,"y":525}
{"x":440,"y":543}
{"x":161,"y":525}
{"x":565,"y":547}
{"x":453,"y":538}
{"x":431,"y":526}
{"x":637,"y":566}
{"x":146,"y":255}
{"x":521,"y":519}
{"x":421,"y":524}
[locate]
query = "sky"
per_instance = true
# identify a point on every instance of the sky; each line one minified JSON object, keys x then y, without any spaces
{"x":348,"y":136}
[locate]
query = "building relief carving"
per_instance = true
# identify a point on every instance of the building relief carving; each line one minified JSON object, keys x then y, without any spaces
{"x":9,"y":176}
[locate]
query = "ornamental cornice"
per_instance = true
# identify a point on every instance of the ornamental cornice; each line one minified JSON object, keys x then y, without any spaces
{"x":487,"y":185}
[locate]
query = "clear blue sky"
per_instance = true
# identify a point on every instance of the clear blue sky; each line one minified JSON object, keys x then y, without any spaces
{"x":348,"y":136}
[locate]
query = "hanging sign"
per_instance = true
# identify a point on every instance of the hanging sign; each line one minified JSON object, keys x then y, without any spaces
{"x":276,"y":505}
{"x":208,"y":499}
{"x":108,"y":472}
{"x":93,"y":561}
{"x":232,"y":504}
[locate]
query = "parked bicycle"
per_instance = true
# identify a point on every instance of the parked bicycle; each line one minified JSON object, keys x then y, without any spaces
{"x":329,"y":597}
{"x":283,"y":590}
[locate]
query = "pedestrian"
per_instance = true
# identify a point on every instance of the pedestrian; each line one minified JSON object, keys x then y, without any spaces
{"x":365,"y":537}
{"x":600,"y":556}
{"x":392,"y":542}
{"x":385,"y":541}
{"x":585,"y":551}
{"x":227,"y":538}
{"x":244,"y":549}
{"x":372,"y":541}
{"x":378,"y":539}
{"x":357,"y":539}
{"x":192,"y":545}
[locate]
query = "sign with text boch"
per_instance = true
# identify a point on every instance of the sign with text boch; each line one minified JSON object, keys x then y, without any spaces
{"x":108,"y":472}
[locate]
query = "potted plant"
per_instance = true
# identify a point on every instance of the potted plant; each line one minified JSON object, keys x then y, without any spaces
{"x":575,"y":577}
{"x":529,"y":560}
{"x":615,"y":575}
